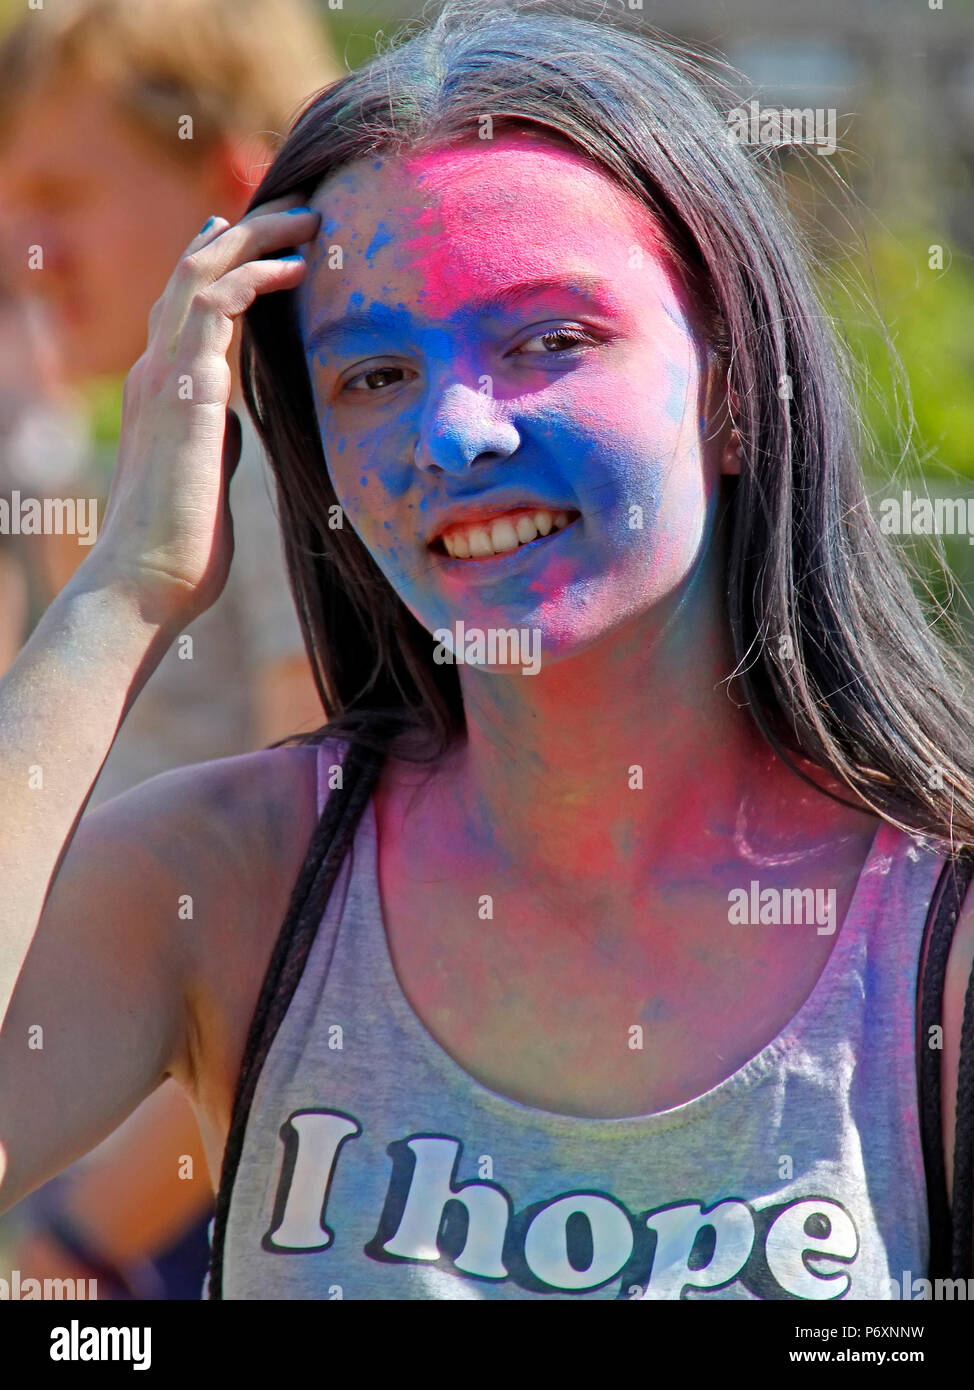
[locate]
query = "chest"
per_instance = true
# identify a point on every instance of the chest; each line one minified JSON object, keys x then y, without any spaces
{"x":606,"y":1010}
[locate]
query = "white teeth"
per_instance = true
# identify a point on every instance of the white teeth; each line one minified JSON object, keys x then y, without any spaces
{"x":503,"y":536}
{"x":479,"y":542}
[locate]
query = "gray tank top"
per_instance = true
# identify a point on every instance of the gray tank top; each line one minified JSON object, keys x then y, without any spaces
{"x":373,"y":1166}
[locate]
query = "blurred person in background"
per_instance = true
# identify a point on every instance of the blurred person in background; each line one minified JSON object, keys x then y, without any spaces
{"x":124,"y":125}
{"x":43,"y":452}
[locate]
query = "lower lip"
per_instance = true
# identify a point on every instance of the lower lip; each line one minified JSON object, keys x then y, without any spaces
{"x":508,"y":562}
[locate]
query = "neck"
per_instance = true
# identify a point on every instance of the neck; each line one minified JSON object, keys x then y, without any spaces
{"x":628,"y":759}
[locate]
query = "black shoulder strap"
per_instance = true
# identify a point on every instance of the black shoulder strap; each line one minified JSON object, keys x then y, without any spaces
{"x":326,"y":852}
{"x":962,"y":1198}
{"x":950,"y":1241}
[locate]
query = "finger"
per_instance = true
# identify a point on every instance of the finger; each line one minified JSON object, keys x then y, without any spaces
{"x":247,"y":241}
{"x":216,"y":224}
{"x":208,"y":328}
{"x":210,"y":230}
{"x":281,"y":204}
{"x":213,"y":227}
{"x":252,"y":238}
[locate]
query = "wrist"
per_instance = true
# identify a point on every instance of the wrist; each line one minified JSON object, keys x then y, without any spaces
{"x":160,"y":606}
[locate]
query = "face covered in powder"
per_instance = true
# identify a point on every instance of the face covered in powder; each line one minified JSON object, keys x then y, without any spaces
{"x":500,"y":357}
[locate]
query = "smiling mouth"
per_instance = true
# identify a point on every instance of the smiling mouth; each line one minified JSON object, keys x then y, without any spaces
{"x":503,"y":534}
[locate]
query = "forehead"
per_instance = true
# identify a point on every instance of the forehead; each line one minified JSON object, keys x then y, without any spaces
{"x":442,"y":226}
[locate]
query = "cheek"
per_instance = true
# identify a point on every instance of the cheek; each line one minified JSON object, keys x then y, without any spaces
{"x":648,"y":399}
{"x":640,"y":478}
{"x":369,"y":507}
{"x":617,"y":445}
{"x":369,"y":488}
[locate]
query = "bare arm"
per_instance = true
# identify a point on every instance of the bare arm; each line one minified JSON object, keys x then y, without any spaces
{"x":97,"y":1018}
{"x":61,"y":705}
{"x":130,"y":1201}
{"x":85,"y":955}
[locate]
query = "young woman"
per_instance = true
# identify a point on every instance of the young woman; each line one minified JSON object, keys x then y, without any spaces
{"x":599,"y":977}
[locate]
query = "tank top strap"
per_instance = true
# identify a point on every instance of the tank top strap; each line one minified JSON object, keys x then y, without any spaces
{"x":950,"y":1239}
{"x":344,"y":786}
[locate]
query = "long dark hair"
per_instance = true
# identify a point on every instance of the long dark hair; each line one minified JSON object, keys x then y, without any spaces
{"x":837,"y":662}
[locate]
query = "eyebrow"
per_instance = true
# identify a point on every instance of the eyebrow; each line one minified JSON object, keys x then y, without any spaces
{"x":510,"y":297}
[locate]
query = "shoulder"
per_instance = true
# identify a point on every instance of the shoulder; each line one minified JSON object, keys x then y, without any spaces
{"x":165,"y":912}
{"x":214,"y":811}
{"x":202,"y":857}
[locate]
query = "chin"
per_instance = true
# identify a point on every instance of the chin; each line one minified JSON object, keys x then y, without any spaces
{"x":516,"y":646}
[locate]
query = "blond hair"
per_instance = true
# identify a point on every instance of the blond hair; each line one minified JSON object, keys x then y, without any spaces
{"x":240,"y":68}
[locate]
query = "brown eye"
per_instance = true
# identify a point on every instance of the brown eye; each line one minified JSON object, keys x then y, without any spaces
{"x":572,"y":336}
{"x":370,"y":376}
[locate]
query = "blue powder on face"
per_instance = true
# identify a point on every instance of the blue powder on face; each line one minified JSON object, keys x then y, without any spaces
{"x":399,"y":485}
{"x":382,"y":238}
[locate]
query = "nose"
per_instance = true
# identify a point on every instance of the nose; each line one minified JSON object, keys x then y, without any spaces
{"x":461,"y":427}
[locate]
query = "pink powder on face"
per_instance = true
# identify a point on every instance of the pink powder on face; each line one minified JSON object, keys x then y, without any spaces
{"x":427,"y":239}
{"x":468,"y":243}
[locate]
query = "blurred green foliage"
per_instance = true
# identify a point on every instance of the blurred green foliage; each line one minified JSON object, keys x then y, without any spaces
{"x":928,"y":377}
{"x":910,"y":328}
